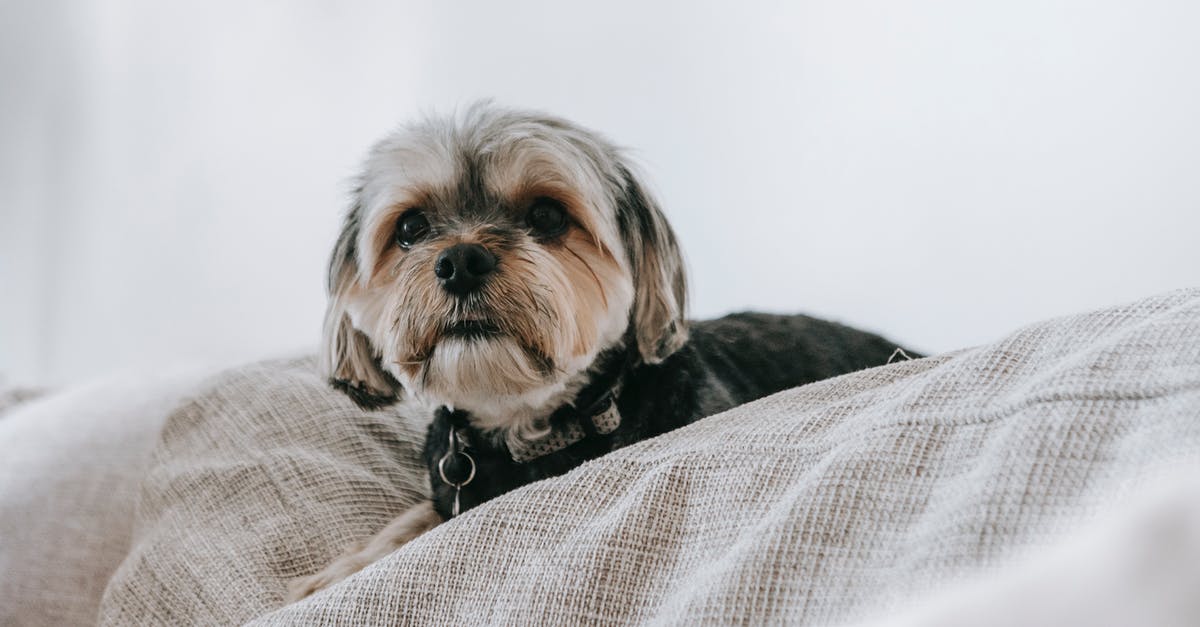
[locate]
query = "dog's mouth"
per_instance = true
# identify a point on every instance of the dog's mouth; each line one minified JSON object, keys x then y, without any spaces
{"x":472,"y":330}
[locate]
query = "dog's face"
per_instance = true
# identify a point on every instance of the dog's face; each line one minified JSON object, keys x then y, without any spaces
{"x":487,"y":261}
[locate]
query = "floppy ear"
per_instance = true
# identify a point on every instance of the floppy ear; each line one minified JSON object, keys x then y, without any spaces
{"x":348,"y":359}
{"x":659,"y":279}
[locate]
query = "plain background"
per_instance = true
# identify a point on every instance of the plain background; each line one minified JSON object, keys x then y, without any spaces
{"x":172,"y":175}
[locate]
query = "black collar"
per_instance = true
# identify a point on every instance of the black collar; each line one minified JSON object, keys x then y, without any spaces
{"x":592,"y":412}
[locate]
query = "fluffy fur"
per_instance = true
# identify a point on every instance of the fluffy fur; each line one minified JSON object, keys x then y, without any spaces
{"x":564,"y":319}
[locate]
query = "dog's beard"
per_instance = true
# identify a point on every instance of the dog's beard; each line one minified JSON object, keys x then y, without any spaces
{"x":493,"y":365}
{"x":482,"y":353}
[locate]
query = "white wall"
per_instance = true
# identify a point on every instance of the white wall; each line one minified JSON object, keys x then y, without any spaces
{"x":178,"y":173}
{"x":171,"y":179}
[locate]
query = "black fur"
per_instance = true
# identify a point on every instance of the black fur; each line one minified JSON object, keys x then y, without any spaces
{"x":726,"y":362}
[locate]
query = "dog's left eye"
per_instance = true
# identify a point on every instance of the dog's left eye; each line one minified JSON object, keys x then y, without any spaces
{"x":411,"y":227}
{"x":547,"y":217}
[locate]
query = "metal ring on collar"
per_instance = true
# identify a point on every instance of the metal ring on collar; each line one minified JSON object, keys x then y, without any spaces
{"x":442,"y":465}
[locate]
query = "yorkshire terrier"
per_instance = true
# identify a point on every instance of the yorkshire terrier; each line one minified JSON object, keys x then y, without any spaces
{"x":510,"y":273}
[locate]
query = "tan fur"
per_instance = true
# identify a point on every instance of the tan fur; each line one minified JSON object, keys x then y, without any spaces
{"x":591,"y":272}
{"x":407,"y":527}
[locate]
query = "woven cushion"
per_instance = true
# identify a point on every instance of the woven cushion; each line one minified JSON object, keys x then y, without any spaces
{"x":803,"y":508}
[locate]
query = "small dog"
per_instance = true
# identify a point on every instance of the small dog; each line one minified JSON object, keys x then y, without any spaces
{"x":512,"y":274}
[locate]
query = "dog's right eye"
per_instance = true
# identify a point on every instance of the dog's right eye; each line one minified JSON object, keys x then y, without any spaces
{"x":411,"y":228}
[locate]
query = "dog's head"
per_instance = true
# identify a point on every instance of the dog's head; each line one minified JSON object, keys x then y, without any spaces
{"x":489,"y":258}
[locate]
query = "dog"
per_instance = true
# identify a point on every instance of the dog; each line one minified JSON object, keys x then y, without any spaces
{"x":511,"y":272}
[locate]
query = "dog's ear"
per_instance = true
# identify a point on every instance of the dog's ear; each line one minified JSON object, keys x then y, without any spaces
{"x":348,"y":359}
{"x":659,"y":278}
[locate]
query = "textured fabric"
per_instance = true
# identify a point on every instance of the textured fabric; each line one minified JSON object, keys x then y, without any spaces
{"x":265,"y":473}
{"x":815,"y":506}
{"x":71,"y":465}
{"x":1135,"y":566}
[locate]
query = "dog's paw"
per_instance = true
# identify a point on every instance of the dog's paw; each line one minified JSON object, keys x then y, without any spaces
{"x":303,"y":587}
{"x":339,"y":569}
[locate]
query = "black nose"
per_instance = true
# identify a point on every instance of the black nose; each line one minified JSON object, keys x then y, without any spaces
{"x":462,"y":267}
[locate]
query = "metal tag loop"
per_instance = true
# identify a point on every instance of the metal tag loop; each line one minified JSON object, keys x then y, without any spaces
{"x":454,"y":450}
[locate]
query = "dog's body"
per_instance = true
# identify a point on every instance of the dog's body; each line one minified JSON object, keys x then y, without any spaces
{"x":726,"y":362}
{"x":510,"y":272}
